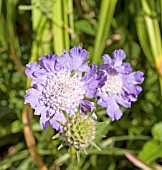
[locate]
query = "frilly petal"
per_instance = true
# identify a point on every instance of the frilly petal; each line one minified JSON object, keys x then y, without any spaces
{"x":102,"y":103}
{"x":78,"y":52}
{"x":78,"y":57}
{"x":127,"y":67}
{"x":134,"y":78}
{"x":40,"y":109}
{"x":107,"y":59}
{"x":113,"y":109}
{"x":32,"y":96}
{"x":89,"y":75}
{"x":65,"y":61}
{"x":57,"y":117}
{"x":91,"y":82}
{"x":44,"y":119}
{"x":87,"y":104}
{"x":30,"y":69}
{"x":48,"y":62}
{"x":123,"y":100}
{"x":119,"y":56}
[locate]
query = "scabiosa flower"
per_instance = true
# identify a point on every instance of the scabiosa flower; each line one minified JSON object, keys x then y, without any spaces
{"x":58,"y":84}
{"x":120,"y":87}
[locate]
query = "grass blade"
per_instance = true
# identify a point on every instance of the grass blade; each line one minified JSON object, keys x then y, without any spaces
{"x":105,"y":17}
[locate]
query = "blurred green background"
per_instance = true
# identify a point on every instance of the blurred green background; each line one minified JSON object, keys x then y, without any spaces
{"x":30,"y":29}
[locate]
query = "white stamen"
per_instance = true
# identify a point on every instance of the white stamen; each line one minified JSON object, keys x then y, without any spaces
{"x":113,"y":85}
{"x":62,"y":92}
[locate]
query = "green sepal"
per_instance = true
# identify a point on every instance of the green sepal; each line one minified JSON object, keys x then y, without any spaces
{"x":66,"y":115}
{"x":90,"y":114}
{"x":60,"y":146}
{"x":85,"y":151}
{"x":96,"y":146}
{"x":101,"y":129}
{"x":59,"y":122}
{"x":72,"y":73}
{"x":56,"y":136}
{"x":78,"y":112}
{"x":101,"y":125}
{"x":78,"y":155}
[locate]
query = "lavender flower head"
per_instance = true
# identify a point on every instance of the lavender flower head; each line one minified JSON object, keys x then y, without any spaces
{"x":58,"y":85}
{"x":120,"y":87}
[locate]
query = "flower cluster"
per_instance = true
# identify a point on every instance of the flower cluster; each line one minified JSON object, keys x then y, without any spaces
{"x":65,"y":83}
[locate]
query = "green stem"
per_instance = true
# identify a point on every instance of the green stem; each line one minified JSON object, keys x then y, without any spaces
{"x":57,"y":18}
{"x":66,"y":23}
{"x":160,"y":81}
{"x":71,"y":19}
{"x":122,"y":138}
{"x":152,"y":27}
{"x":161,"y":12}
{"x":105,"y":18}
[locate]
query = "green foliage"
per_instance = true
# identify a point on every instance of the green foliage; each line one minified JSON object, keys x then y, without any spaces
{"x":152,"y":149}
{"x":157,"y":131}
{"x":149,"y":34}
{"x":31,"y":29}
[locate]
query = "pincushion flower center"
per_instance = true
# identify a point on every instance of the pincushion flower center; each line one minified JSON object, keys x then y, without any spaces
{"x":62,"y":92}
{"x":113,"y":85}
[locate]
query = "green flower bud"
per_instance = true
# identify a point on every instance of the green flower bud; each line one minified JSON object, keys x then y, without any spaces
{"x":79,"y":131}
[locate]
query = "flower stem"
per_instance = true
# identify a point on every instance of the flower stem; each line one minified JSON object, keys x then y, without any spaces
{"x":29,"y":137}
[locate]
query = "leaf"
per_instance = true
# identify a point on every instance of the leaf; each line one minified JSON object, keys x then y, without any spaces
{"x":85,"y":26}
{"x":157,"y":131}
{"x":151,"y":151}
{"x":101,"y":130}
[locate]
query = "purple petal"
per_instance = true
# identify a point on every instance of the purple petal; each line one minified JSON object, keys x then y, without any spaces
{"x":48,"y":62}
{"x":132,"y":92}
{"x":119,"y":56}
{"x":107,"y":59}
{"x":90,"y":74}
{"x":113,"y":109}
{"x":40,"y":77}
{"x":44,"y":121}
{"x":57,"y":117}
{"x":78,"y":52}
{"x":127,"y":67}
{"x":65,"y":61}
{"x":91,"y":82}
{"x":102,"y":103}
{"x":84,"y":67}
{"x":134,"y":78}
{"x":78,"y":56}
{"x":138,"y":76}
{"x":32,"y":96}
{"x":124,"y":101}
{"x":40,"y":73}
{"x":131,"y":89}
{"x":90,"y":93}
{"x":40,"y":109}
{"x":30,"y":69}
{"x":87,"y":104}
{"x":101,"y":77}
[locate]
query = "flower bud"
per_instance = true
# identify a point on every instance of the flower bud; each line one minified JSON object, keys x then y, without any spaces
{"x":79,"y":131}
